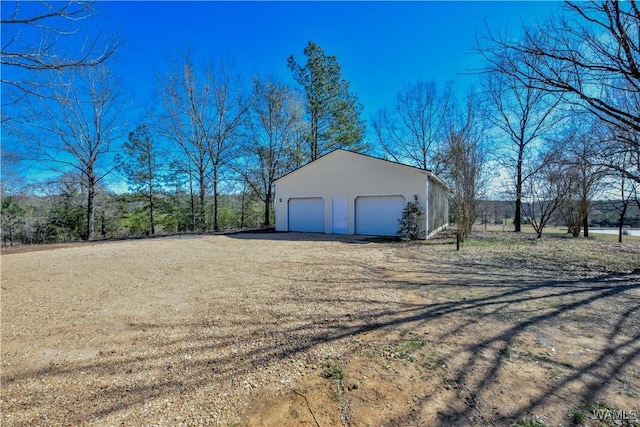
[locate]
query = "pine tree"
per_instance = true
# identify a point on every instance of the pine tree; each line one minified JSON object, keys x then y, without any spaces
{"x":333,"y":111}
{"x":141,"y":168}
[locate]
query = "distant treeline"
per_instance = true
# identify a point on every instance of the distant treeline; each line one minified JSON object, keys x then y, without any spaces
{"x":62,"y":217}
{"x":59,"y":218}
{"x":603,"y":213}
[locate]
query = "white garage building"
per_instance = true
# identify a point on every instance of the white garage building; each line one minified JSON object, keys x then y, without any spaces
{"x":350,"y":193}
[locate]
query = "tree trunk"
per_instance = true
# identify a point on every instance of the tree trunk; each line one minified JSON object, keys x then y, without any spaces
{"x":623,"y":213}
{"x":584,"y":205}
{"x":91,"y":192}
{"x":216,"y":225}
{"x":517,"y":221}
{"x":150,"y":171}
{"x":201,"y":201}
{"x":314,"y":136}
{"x":103,"y":225}
{"x":518,"y":216}
{"x":267,"y":208}
{"x":242,"y":208}
{"x":585,"y":224}
{"x":152,"y":227}
{"x":192,"y":201}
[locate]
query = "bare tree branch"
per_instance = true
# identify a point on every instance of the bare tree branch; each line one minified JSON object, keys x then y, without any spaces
{"x":592,"y":59}
{"x":204,"y":112}
{"x":74,"y":125}
{"x":411,"y":130}
{"x":44,"y":36}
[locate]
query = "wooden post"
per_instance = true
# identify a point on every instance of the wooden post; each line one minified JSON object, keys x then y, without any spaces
{"x":458,"y":241}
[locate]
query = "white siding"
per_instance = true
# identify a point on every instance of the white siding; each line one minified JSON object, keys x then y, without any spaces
{"x":343,"y":174}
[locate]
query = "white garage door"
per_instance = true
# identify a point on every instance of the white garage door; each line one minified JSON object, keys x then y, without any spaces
{"x":306,"y":214}
{"x":379,"y":215}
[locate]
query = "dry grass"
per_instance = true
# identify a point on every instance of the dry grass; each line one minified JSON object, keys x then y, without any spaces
{"x":553,"y":251}
{"x":555,"y":231}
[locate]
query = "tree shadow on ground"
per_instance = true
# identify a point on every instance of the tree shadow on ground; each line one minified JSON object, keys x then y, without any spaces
{"x":270,"y":234}
{"x":604,"y":304}
{"x":202,"y":353}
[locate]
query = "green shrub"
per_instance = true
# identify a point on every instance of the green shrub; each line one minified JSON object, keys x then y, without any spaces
{"x":412,"y":223}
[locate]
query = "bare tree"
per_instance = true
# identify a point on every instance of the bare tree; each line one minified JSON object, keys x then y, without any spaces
{"x":39,"y":40}
{"x":11,"y":181}
{"x":74,"y":126}
{"x":204,"y":113}
{"x":614,"y":144}
{"x":590,"y":56}
{"x":411,"y":130}
{"x":229,"y":117}
{"x":546,"y":191}
{"x":523,"y":115}
{"x":464,"y":159}
{"x":277,"y":111}
{"x":36,"y":37}
{"x":572,"y":213}
{"x":578,"y":149}
{"x":627,"y":190}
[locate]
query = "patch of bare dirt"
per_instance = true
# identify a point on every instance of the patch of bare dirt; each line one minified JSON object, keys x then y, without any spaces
{"x":288,"y":329}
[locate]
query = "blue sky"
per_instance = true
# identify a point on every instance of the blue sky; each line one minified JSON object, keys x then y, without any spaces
{"x":381,"y":46}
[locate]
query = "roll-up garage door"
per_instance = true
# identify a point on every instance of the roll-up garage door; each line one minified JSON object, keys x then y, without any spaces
{"x":379,"y":215}
{"x":306,"y":214}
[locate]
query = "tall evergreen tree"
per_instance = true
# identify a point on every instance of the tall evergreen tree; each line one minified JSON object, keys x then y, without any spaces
{"x":141,"y":168}
{"x":334,"y":112}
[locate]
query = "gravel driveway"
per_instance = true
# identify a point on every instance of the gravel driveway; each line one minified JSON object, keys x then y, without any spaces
{"x":174,"y":331}
{"x":293,"y":329}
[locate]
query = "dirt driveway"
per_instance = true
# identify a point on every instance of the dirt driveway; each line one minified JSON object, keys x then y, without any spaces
{"x":287,"y":329}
